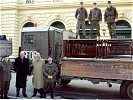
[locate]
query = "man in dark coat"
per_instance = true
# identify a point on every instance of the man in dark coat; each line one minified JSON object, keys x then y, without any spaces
{"x":22,"y":70}
{"x":110,"y":17}
{"x":50,"y":73}
{"x":6,"y":67}
{"x":81,"y":14}
{"x":95,"y":16}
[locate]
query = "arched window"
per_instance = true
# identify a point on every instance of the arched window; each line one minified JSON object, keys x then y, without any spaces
{"x":123,"y":29}
{"x":29,"y":24}
{"x":58,"y":24}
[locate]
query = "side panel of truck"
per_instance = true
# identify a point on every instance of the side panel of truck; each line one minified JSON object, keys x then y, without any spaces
{"x":105,"y":59}
{"x":97,"y":68}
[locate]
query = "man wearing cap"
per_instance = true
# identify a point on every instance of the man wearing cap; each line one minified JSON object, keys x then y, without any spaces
{"x":6,"y":67}
{"x":81,"y":14}
{"x":95,"y":16}
{"x":110,"y":17}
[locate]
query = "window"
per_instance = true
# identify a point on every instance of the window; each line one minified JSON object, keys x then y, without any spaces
{"x":29,"y":1}
{"x":29,"y":39}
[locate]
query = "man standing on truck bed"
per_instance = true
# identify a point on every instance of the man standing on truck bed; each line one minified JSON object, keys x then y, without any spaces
{"x":110,"y":17}
{"x":95,"y":16}
{"x":81,"y":14}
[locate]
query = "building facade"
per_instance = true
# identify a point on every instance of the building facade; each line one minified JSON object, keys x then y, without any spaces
{"x":16,"y":14}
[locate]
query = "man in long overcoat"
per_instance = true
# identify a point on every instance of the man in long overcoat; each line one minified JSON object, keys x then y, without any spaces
{"x":22,"y":70}
{"x":6,"y":67}
{"x":38,"y":78}
{"x":50,"y":73}
{"x":110,"y":17}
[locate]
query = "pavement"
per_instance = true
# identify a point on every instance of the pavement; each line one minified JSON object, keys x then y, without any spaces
{"x":76,"y":89}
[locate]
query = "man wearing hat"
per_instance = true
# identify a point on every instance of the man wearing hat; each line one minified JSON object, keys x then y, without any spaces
{"x":81,"y":14}
{"x":6,"y":67}
{"x":95,"y":16}
{"x":110,"y":17}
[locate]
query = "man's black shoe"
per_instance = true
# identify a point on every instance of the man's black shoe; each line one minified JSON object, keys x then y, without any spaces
{"x":17,"y":95}
{"x":1,"y":96}
{"x":6,"y":97}
{"x":41,"y":96}
{"x":33,"y":95}
{"x":24,"y":95}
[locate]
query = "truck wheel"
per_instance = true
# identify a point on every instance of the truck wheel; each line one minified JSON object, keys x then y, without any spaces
{"x":126,"y":90}
{"x":63,"y":81}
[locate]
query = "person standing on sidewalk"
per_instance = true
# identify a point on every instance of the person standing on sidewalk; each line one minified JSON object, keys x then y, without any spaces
{"x":6,"y":67}
{"x":81,"y":14}
{"x":110,"y":17}
{"x":22,"y":70}
{"x":50,"y":73}
{"x":95,"y":16}
{"x":38,"y":78}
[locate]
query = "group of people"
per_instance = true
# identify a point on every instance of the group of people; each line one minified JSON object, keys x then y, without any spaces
{"x":95,"y":17}
{"x":44,"y":75}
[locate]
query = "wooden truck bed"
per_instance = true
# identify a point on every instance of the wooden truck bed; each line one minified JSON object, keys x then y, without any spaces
{"x":106,"y":59}
{"x":97,"y":68}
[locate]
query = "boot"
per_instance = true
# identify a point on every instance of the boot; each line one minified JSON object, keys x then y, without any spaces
{"x":76,"y":36}
{"x":1,"y":96}
{"x":52,"y":95}
{"x":44,"y":95}
{"x":111,"y":36}
{"x":35,"y":92}
{"x":5,"y":96}
{"x":41,"y":93}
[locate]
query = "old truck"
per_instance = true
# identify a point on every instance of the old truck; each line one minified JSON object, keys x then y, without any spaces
{"x":108,"y":60}
{"x":5,"y":46}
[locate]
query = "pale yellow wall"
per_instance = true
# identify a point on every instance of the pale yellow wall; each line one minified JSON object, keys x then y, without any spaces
{"x":15,"y":14}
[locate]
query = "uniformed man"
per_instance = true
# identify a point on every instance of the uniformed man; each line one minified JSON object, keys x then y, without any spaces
{"x":50,"y":73}
{"x":81,"y":14}
{"x":110,"y":17}
{"x":95,"y":16}
{"x":6,"y":67}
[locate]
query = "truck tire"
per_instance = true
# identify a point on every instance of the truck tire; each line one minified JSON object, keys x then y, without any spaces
{"x":126,"y":90}
{"x":63,"y":81}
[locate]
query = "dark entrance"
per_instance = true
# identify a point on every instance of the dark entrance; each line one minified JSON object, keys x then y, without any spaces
{"x":58,"y":24}
{"x":29,"y":24}
{"x":123,"y":29}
